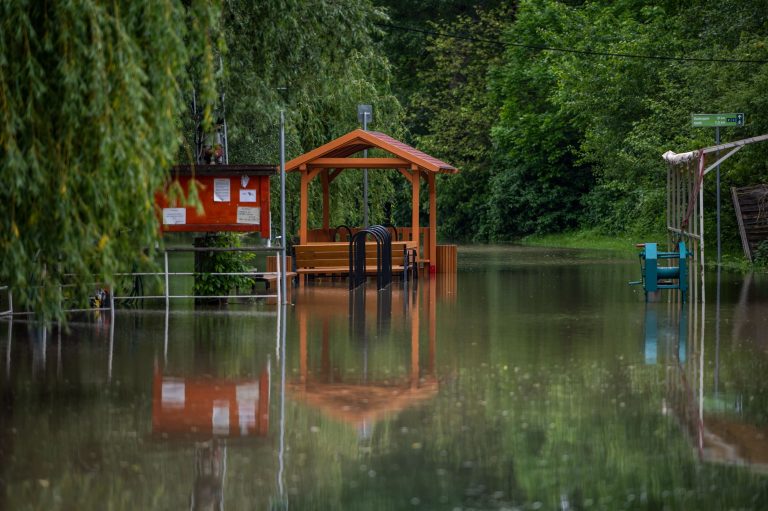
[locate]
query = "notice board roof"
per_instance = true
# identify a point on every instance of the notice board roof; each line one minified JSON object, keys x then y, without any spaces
{"x":249,"y":169}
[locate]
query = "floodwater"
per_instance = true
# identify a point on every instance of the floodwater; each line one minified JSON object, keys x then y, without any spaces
{"x":534,"y":379}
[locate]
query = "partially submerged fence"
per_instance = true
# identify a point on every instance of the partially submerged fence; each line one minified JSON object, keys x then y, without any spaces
{"x":166,"y":275}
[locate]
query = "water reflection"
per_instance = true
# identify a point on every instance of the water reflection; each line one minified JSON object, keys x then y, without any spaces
{"x":714,"y":421}
{"x":356,"y":376}
{"x":534,"y":382}
{"x":128,"y":417}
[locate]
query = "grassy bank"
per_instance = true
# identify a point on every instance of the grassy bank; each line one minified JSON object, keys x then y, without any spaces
{"x":732,"y":259}
{"x":589,"y":240}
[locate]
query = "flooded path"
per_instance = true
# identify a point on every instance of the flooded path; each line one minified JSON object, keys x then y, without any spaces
{"x":533,"y":379}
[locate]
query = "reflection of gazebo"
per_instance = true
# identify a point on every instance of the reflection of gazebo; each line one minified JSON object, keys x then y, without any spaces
{"x":329,"y":160}
{"x":363,"y":402}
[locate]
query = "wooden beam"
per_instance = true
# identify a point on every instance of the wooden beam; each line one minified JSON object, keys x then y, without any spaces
{"x":407,"y":174}
{"x":312,"y":173}
{"x":415,"y":347}
{"x":303,"y":204}
{"x":326,"y":198}
{"x":359,"y":163}
{"x":415,"y":183}
{"x":334,"y":174}
{"x":432,"y":222}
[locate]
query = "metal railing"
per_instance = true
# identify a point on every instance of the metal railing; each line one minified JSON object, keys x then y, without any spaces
{"x":166,"y":274}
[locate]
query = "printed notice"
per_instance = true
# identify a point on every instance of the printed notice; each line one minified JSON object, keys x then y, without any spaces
{"x":174,"y":216}
{"x":248,"y":215}
{"x":247,"y":195}
{"x":172,"y":394}
{"x":221,"y":190}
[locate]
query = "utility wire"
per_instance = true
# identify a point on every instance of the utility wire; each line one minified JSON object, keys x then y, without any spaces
{"x":568,"y":50}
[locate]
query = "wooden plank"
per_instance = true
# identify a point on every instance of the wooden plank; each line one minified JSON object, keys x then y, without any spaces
{"x":446,"y":256}
{"x":415,"y":202}
{"x":359,"y":163}
{"x":370,"y":269}
{"x":752,"y":216}
{"x":303,"y":204}
{"x":334,"y":257}
{"x":432,"y":244}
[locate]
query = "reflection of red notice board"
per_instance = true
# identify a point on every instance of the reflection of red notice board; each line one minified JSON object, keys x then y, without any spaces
{"x":234,"y":198}
{"x":205,"y":407}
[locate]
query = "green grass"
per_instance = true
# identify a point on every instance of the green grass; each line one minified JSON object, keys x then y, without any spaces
{"x":589,"y":240}
{"x":733,"y":260}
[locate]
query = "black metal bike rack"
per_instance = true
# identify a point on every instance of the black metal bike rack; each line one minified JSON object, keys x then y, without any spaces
{"x":357,"y":255}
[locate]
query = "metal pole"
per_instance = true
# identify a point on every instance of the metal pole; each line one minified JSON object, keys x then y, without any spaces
{"x":282,"y":447}
{"x":365,"y":176}
{"x":8,"y":349}
{"x":284,"y":241}
{"x":717,"y":156}
{"x":167,"y":291}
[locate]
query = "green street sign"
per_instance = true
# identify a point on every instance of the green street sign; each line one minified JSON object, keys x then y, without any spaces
{"x":715,"y":120}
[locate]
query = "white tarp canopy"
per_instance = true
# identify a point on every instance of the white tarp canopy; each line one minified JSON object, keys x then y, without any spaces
{"x":676,"y":159}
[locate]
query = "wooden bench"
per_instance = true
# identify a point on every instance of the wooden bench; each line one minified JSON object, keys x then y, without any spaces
{"x":271,"y":276}
{"x":332,"y":259}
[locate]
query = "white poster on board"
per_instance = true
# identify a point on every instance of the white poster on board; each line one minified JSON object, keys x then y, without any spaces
{"x":221,"y":190}
{"x":248,"y":215}
{"x":174,"y":216}
{"x":247,"y":195}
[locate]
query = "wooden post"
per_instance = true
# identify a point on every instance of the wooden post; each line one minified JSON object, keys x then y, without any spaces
{"x":432,"y":324}
{"x":326,"y":200}
{"x":415,"y":346}
{"x":415,"y":183}
{"x":304,"y":202}
{"x":431,"y":179}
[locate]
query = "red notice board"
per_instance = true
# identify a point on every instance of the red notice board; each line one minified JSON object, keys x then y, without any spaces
{"x":234,"y":198}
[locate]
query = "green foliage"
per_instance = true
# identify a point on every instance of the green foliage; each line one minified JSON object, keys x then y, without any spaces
{"x":761,"y":254}
{"x":220,"y":262}
{"x":90,"y":100}
{"x":316,"y":60}
{"x":453,"y":114}
{"x":550,"y":141}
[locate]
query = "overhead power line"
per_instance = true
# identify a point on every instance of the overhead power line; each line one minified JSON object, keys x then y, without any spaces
{"x":568,"y":50}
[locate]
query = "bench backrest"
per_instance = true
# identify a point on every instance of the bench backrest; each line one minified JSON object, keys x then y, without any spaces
{"x":337,"y":254}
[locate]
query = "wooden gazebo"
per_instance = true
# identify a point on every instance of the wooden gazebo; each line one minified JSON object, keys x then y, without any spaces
{"x":329,"y":160}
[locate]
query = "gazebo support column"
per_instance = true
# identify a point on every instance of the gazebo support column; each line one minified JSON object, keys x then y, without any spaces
{"x":431,"y":182}
{"x":304,"y":201}
{"x":415,"y":185}
{"x":326,"y":199}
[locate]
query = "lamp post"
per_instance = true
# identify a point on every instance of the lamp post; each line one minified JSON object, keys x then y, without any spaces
{"x":283,"y":285}
{"x":364,"y":115}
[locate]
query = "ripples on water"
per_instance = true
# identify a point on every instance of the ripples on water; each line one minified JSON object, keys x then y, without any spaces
{"x":535,"y":379}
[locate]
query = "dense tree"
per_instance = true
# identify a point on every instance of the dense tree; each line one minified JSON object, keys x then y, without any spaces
{"x":578,"y":135}
{"x":457,"y":113}
{"x":90,"y":99}
{"x":316,"y":60}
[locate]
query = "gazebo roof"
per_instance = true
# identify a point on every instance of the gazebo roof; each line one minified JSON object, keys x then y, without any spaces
{"x":336,"y":154}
